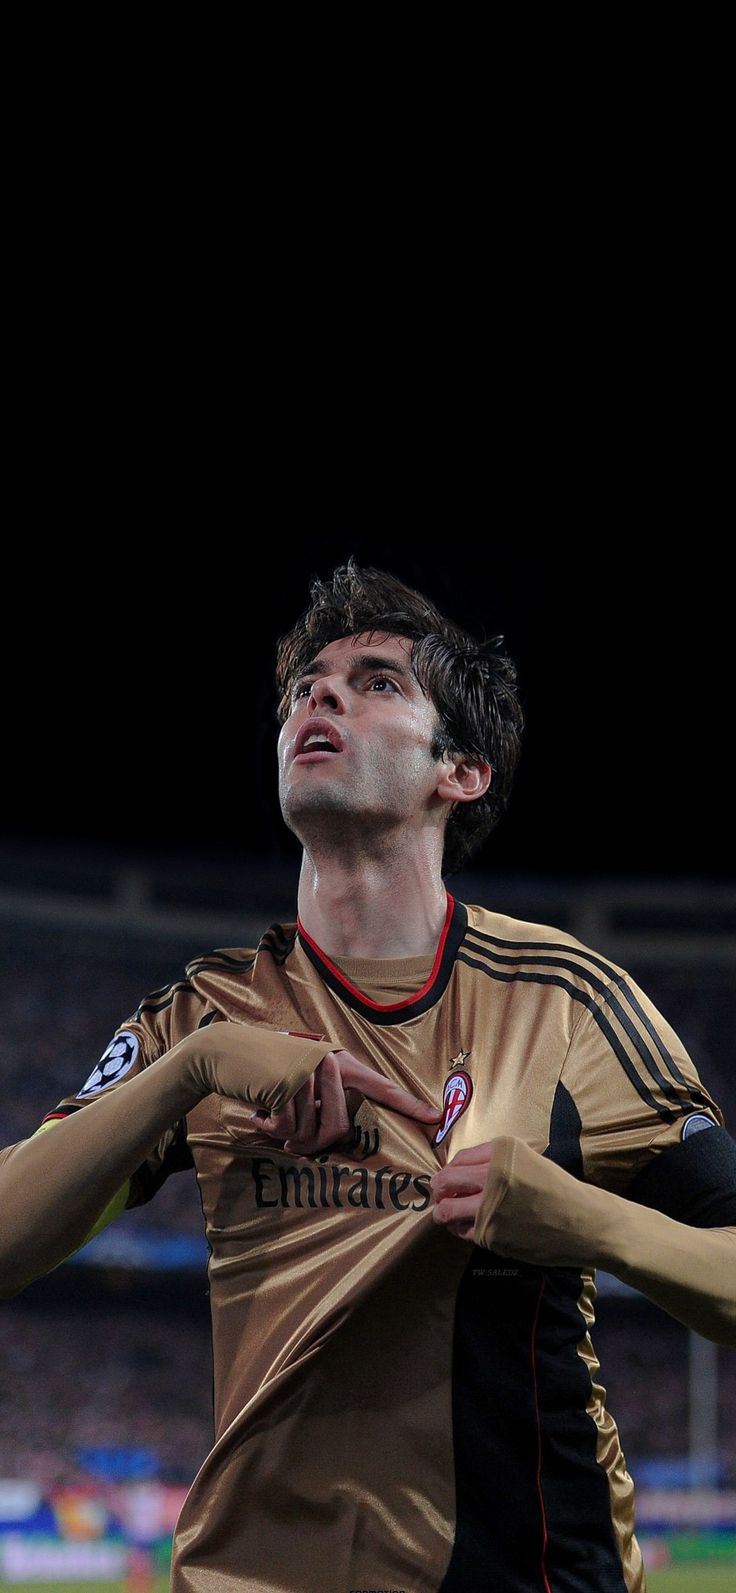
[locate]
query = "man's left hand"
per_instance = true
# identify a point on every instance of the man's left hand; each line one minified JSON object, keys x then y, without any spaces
{"x":507,"y":1197}
{"x":457,"y":1190}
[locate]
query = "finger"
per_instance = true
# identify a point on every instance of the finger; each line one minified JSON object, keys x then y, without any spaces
{"x":306,"y":1121}
{"x":457,"y":1181}
{"x":384,"y":1091}
{"x":334,"y":1115}
{"x":462,"y":1230}
{"x":473,"y":1154}
{"x":278,"y":1124}
{"x":459,"y":1210}
{"x":332,"y":1120}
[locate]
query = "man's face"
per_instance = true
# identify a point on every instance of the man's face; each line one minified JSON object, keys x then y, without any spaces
{"x":356,"y":747}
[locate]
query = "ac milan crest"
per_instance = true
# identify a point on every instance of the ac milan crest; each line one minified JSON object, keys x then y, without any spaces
{"x":456,"y":1096}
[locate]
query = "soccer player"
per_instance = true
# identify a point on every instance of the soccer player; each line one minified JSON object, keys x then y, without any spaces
{"x":418,"y":1127}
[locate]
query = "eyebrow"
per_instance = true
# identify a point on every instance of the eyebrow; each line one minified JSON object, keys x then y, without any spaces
{"x":365,"y":663}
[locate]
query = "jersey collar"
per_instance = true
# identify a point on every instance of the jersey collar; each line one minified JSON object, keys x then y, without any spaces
{"x":455,"y":925}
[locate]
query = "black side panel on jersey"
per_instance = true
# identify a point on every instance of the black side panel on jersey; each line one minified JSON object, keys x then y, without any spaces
{"x":693,"y":1181}
{"x":582,"y":1552}
{"x":178,"y":1158}
{"x":494,"y":1431}
{"x":565,"y":1127}
{"x":531,"y":1498}
{"x":573,"y":1482}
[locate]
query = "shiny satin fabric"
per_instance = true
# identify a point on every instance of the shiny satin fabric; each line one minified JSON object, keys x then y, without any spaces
{"x":334,"y":1294}
{"x":330,"y":1470}
{"x":338,"y":1398}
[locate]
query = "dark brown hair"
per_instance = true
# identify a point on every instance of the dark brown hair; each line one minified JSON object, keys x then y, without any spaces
{"x":471,"y":683}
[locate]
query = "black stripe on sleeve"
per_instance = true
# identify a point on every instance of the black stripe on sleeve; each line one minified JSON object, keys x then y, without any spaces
{"x":146,"y":1181}
{"x":600,"y":1018}
{"x":223,"y":960}
{"x":279,"y":947}
{"x":637,"y":1040}
{"x":277,"y":941}
{"x":618,"y":978}
{"x":149,"y":1005}
{"x":668,"y":1060}
{"x":549,"y":945}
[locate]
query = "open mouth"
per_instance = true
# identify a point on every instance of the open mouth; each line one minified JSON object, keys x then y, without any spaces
{"x":317,"y":740}
{"x":318,"y":744}
{"x":314,"y":750}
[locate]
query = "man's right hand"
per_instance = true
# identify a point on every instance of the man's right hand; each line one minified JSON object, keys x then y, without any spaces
{"x":224,"y":1059}
{"x":56,"y":1187}
{"x":318,"y":1116}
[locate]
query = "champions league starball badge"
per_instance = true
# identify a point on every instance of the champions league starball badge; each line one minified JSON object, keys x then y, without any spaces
{"x":456,"y":1097}
{"x":694,"y":1123}
{"x":114,"y":1063}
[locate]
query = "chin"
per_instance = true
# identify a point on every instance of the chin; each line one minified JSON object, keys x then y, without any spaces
{"x":325,"y":812}
{"x":316,"y":799}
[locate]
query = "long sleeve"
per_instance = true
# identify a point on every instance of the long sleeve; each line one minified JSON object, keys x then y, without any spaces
{"x":535,"y":1211}
{"x":55,"y":1186}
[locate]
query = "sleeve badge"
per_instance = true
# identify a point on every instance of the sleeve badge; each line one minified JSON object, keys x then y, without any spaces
{"x":113,"y":1065}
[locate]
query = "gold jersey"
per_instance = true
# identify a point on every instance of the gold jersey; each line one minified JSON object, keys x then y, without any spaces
{"x":395,"y":1408}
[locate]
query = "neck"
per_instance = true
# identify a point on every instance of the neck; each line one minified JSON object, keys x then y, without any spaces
{"x":380,"y":908}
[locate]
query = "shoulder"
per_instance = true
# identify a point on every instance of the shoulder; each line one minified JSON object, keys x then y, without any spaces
{"x":234,"y":960}
{"x":543,"y":945}
{"x":240,"y":962}
{"x":193,"y":999}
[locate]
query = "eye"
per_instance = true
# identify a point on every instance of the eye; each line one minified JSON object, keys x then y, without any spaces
{"x":303,"y":687}
{"x":383,"y":680}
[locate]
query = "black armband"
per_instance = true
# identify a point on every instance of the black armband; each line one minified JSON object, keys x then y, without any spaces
{"x":693,"y":1181}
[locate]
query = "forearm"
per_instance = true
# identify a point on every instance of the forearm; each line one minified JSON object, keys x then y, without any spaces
{"x":54,"y":1186}
{"x":690,"y":1272}
{"x":535,"y":1211}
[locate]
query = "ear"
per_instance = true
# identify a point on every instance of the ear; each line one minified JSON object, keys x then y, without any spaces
{"x":463,"y":780}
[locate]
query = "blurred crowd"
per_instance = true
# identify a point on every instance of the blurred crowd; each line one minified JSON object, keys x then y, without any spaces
{"x":644,"y":1357}
{"x":127,"y":1376}
{"x":59,"y":1010}
{"x":699,"y":1002}
{"x":141,"y":1378}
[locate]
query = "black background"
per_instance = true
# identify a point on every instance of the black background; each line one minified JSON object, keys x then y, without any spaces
{"x":533,"y":432}
{"x":139,"y":707}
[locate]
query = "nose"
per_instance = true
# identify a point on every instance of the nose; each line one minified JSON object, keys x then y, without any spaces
{"x":325,"y":693}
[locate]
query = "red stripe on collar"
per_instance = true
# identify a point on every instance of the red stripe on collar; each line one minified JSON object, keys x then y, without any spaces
{"x":392,"y":1006}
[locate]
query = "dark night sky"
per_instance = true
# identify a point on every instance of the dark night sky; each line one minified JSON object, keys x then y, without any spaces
{"x":140,"y":716}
